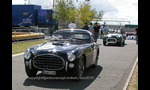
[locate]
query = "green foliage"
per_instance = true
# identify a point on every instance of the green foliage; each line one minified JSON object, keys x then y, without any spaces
{"x":66,"y":11}
{"x":82,"y":13}
{"x":99,"y":15}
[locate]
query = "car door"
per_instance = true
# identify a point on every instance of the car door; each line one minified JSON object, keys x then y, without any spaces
{"x":94,"y":50}
{"x":89,"y":52}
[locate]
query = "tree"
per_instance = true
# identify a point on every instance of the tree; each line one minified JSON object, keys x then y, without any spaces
{"x":86,"y":14}
{"x":66,"y":11}
{"x":99,"y":15}
{"x":84,"y":11}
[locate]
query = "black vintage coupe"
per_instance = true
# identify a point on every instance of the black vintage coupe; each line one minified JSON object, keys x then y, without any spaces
{"x":68,"y":53}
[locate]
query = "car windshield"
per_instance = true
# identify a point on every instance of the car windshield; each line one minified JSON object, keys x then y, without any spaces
{"x":73,"y":37}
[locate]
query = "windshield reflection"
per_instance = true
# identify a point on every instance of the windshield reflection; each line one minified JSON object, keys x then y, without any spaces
{"x":73,"y":37}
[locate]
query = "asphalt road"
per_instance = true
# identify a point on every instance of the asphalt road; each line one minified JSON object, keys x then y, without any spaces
{"x":114,"y":66}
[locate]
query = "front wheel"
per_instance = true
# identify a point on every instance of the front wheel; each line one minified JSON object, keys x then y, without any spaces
{"x":104,"y":43}
{"x":30,"y":73}
{"x":120,"y":43}
{"x":80,"y":68}
{"x":96,"y":61}
{"x":123,"y":42}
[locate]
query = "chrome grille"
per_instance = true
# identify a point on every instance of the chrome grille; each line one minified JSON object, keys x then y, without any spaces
{"x":49,"y":62}
{"x":111,"y":40}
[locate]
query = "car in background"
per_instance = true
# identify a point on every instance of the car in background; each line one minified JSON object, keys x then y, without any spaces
{"x":130,"y":36}
{"x":69,"y":52}
{"x":114,"y":38}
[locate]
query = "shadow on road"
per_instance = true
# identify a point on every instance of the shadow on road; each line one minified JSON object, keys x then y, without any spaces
{"x":116,"y":45}
{"x":66,"y":84}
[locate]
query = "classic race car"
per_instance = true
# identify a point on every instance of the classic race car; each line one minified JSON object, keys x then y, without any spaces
{"x":114,"y":38}
{"x":68,"y":53}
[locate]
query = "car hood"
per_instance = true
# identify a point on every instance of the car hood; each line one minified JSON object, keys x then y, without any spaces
{"x":49,"y":47}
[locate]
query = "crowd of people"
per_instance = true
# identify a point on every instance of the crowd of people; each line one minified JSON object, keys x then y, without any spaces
{"x":96,"y":29}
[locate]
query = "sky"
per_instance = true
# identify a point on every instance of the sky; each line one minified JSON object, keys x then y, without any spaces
{"x":126,"y":9}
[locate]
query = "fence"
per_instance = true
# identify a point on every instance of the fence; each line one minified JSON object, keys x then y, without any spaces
{"x":26,"y":33}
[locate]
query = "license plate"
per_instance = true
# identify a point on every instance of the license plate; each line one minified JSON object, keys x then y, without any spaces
{"x":49,"y":72}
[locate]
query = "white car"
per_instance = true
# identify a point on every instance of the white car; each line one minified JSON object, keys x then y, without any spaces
{"x":132,"y":37}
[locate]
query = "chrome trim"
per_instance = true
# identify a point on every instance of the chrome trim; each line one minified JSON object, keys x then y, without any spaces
{"x":111,"y":38}
{"x":66,"y":68}
{"x":46,"y":68}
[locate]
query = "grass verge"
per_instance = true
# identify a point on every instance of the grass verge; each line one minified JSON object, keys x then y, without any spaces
{"x":136,"y":83}
{"x":22,"y":46}
{"x":133,"y":84}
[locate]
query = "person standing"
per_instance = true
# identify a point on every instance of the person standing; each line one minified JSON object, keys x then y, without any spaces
{"x":121,"y":31}
{"x":91,"y":28}
{"x":85,"y":27}
{"x":101,"y":31}
{"x":136,"y":31}
{"x":96,"y":31}
{"x":72,"y":25}
{"x":105,"y":29}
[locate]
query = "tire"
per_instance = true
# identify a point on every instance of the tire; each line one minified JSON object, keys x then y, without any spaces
{"x":80,"y":68}
{"x":30,"y":73}
{"x":120,"y":43}
{"x":124,"y":42}
{"x":96,"y":61}
{"x":104,"y":43}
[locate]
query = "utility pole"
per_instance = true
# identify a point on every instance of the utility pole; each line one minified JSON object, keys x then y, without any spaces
{"x":25,"y":2}
{"x":28,"y":1}
{"x":53,"y":4}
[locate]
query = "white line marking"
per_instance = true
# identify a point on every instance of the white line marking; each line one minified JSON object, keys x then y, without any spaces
{"x":17,"y":54}
{"x":129,"y":77}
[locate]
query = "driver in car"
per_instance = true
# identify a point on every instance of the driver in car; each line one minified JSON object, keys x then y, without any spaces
{"x":112,"y":31}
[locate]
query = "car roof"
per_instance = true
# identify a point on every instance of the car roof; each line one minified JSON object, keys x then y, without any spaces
{"x":73,"y":31}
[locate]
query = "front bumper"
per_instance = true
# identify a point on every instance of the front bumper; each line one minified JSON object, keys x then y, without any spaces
{"x":112,"y":40}
{"x":65,"y":71}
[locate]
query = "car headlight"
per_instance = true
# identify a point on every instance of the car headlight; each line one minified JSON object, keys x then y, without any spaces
{"x":27,"y":54}
{"x":71,"y":57}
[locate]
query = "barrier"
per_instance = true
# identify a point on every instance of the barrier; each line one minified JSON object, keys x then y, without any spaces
{"x":21,"y":35}
{"x":27,"y":33}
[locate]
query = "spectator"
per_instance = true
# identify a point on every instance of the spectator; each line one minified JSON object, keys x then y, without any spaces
{"x":96,"y":31}
{"x":85,"y":27}
{"x":136,"y":31}
{"x":121,"y":31}
{"x":112,"y":31}
{"x":105,"y":29}
{"x":72,"y":25}
{"x":101,"y":31}
{"x":91,"y":28}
